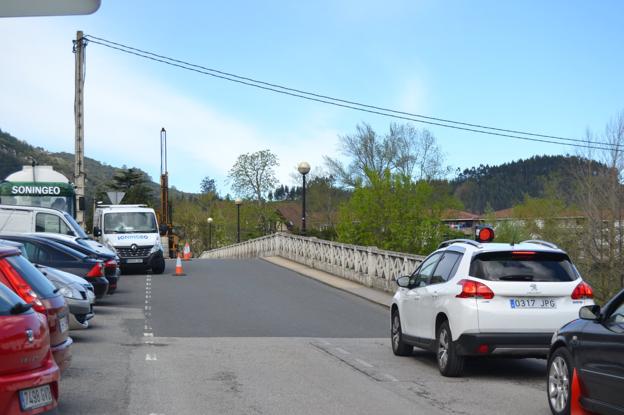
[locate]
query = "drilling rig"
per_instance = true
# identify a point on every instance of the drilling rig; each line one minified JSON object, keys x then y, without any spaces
{"x":165,"y":207}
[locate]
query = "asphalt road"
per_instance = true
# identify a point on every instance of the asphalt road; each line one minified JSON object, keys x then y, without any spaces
{"x":248,"y":337}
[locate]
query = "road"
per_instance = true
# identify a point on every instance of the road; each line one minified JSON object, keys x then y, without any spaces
{"x":249,"y":337}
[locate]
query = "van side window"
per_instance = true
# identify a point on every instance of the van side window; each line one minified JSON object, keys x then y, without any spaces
{"x":46,"y":222}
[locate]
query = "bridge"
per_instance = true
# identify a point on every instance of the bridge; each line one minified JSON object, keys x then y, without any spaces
{"x":282,"y":324}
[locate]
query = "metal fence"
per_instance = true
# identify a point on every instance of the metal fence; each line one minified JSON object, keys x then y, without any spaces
{"x":367,"y":265}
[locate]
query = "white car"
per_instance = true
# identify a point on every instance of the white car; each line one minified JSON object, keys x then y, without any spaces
{"x":470,"y":298}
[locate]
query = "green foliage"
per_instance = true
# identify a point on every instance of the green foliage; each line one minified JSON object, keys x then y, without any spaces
{"x":395,"y":213}
{"x":133,"y":182}
{"x":253,"y":174}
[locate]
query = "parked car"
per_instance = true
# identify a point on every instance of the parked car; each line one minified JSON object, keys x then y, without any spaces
{"x":52,"y":254}
{"x":28,"y":374}
{"x":591,"y":349}
{"x":77,"y":291}
{"x":112,"y":271}
{"x":472,"y":298}
{"x":78,"y":297}
{"x":17,"y":273}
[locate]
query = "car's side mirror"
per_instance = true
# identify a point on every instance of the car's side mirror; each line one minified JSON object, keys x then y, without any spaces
{"x":163,"y":228}
{"x":97,"y":231}
{"x":590,"y":312}
{"x":404,"y":281}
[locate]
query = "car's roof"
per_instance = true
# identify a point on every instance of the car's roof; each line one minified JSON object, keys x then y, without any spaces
{"x":53,"y":235}
{"x":56,"y":245}
{"x":501,"y":247}
{"x":8,"y":251}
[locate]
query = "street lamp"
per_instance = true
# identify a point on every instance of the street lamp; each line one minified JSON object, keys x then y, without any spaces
{"x":209,"y":234}
{"x":304,"y":168}
{"x":238,"y":202}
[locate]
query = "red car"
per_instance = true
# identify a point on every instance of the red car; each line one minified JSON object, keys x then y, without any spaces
{"x":28,"y":374}
{"x":17,"y":273}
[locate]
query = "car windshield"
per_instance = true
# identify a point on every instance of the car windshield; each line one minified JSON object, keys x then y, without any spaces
{"x":523,"y":266}
{"x":130,"y":222}
{"x":75,"y":227}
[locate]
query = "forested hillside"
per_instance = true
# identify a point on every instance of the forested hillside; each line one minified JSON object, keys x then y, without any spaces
{"x":503,"y":186}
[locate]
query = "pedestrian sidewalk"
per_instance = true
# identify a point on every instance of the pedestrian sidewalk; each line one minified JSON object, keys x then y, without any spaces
{"x":371,"y":294}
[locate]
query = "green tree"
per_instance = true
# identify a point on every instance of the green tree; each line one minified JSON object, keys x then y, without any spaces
{"x":253,"y":174}
{"x":133,"y":182}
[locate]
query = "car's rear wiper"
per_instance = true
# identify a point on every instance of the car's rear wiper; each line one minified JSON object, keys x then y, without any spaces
{"x":20,"y":308}
{"x":516,"y":278}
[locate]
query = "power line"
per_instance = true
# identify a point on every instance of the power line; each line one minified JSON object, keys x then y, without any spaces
{"x":350,"y":104}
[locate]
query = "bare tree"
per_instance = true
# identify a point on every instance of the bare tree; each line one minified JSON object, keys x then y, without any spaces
{"x":404,"y":150}
{"x":253,"y":174}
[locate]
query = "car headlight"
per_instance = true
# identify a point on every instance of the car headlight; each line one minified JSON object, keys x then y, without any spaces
{"x":157,"y":247}
{"x":69,"y":292}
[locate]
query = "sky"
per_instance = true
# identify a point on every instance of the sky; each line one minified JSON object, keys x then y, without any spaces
{"x":551,"y":67}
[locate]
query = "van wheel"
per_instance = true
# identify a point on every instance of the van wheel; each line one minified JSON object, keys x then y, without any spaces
{"x":449,"y":362}
{"x":159,"y":266}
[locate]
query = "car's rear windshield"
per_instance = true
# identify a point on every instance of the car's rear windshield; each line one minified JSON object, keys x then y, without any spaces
{"x":32,"y":276}
{"x":523,"y":266}
{"x":8,"y":299}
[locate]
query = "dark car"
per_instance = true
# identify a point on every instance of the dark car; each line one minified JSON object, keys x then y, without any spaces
{"x":17,"y":273}
{"x":52,"y":254}
{"x":28,"y":374}
{"x":589,"y":351}
{"x":110,"y":259}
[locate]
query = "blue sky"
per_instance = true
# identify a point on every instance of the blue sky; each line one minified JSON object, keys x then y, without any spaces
{"x":551,"y":67}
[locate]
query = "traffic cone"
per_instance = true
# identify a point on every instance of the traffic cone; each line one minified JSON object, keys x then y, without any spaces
{"x":187,"y":252}
{"x":179,"y":272}
{"x":575,"y":397}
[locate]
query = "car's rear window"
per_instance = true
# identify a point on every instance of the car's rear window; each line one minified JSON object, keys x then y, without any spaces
{"x":7,"y":300}
{"x":32,"y":276}
{"x":523,"y":266}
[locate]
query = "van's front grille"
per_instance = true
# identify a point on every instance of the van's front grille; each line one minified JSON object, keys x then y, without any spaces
{"x":139,"y":252}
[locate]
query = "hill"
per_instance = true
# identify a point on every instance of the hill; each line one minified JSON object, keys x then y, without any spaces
{"x":503,"y":186}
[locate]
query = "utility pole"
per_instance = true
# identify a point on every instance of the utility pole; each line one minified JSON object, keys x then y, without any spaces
{"x":165,"y":207}
{"x":79,"y":168}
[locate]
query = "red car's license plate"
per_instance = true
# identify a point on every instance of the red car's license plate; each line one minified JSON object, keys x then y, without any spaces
{"x":35,"y":397}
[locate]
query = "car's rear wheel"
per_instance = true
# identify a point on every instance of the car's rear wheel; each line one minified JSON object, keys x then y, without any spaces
{"x":560,"y":381}
{"x":399,"y":347}
{"x":450,"y":363}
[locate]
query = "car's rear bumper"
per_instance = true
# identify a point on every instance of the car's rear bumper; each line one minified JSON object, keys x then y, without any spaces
{"x":514,"y":344}
{"x":10,"y":385}
{"x":62,"y":354}
{"x":100,"y":286}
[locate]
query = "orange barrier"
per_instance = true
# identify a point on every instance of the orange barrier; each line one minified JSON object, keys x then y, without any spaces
{"x":179,"y":272}
{"x":575,"y":396}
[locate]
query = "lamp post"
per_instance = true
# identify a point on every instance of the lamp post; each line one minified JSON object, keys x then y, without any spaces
{"x":238,"y":202}
{"x":303,"y":168}
{"x":209,"y":234}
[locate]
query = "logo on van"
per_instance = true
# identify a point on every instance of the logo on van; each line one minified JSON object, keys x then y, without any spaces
{"x":122,"y":237}
{"x":35,"y":190}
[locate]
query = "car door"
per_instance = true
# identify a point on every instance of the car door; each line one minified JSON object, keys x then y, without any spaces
{"x":600,"y":356}
{"x":413,"y":312}
{"x":430,"y":300}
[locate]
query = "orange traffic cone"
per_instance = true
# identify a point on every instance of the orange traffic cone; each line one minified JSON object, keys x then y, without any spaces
{"x":179,"y":272}
{"x":575,"y":397}
{"x":187,"y":252}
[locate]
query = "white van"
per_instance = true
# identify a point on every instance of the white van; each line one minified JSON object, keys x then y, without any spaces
{"x":29,"y":219}
{"x":134,"y":233}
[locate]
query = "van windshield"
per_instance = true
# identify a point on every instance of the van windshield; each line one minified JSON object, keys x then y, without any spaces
{"x":75,"y":227}
{"x":130,"y":222}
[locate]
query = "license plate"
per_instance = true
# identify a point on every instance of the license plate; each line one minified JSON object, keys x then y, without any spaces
{"x":532,"y":303}
{"x":63,"y":324}
{"x":35,"y":397}
{"x":134,"y":261}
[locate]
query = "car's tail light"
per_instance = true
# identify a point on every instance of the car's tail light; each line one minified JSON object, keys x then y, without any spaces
{"x":474,"y":289}
{"x":111,"y":263}
{"x":583,"y":291}
{"x":95,"y":271}
{"x":21,"y":287}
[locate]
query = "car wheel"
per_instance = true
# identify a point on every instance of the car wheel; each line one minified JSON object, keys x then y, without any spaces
{"x":560,"y":381}
{"x":450,"y":363}
{"x":399,"y":347}
{"x":159,"y":267}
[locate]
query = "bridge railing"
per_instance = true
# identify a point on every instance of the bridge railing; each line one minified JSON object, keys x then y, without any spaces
{"x":367,"y":265}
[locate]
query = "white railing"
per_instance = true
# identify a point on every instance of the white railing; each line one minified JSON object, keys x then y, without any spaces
{"x":366,"y":265}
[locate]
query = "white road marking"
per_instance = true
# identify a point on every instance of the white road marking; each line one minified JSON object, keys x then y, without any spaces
{"x":148,"y":334}
{"x":363,"y":363}
{"x":325,"y":343}
{"x":148,"y":307}
{"x":390,"y":377}
{"x":151,"y":357}
{"x":343,"y":351}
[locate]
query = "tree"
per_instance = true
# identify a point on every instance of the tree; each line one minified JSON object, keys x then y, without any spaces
{"x":404,"y":150}
{"x":253,"y":174}
{"x":133,"y":182}
{"x":208,"y":186}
